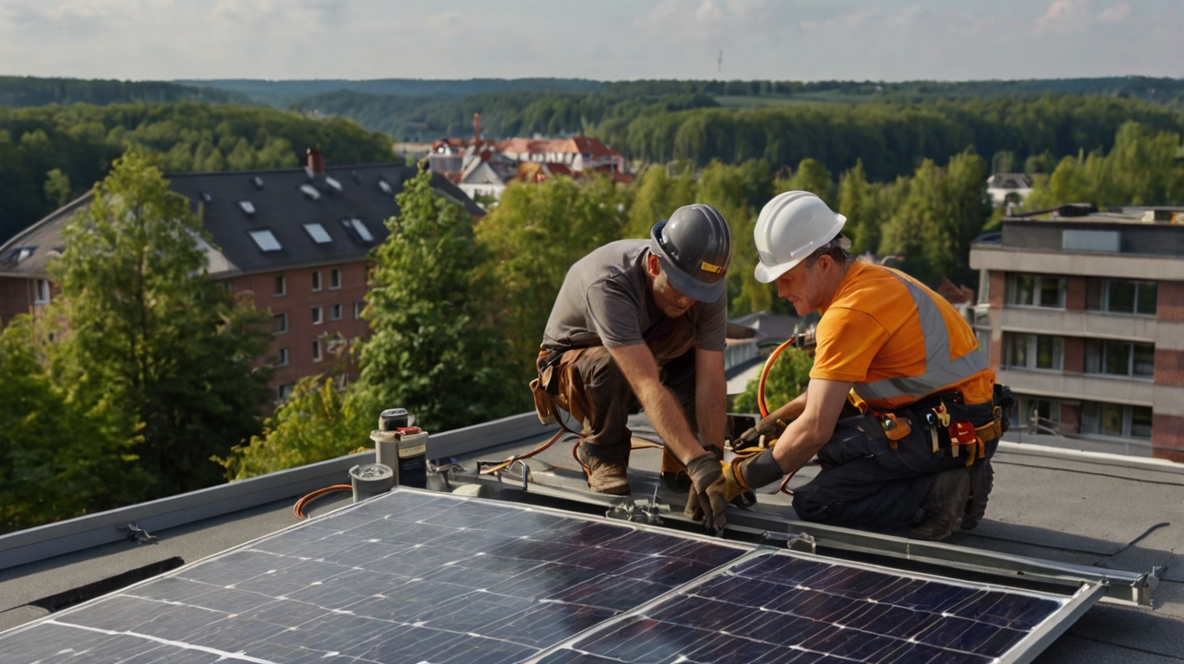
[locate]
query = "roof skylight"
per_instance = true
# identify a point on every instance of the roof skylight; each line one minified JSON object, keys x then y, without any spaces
{"x":257,"y":181}
{"x":206,"y":197}
{"x":318,"y":233}
{"x":359,"y":228}
{"x":247,"y":207}
{"x":332,"y":183}
{"x":385,"y":186}
{"x":310,"y":191}
{"x":266,"y":240}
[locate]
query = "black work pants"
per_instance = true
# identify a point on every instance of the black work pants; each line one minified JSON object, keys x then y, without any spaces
{"x":864,"y":482}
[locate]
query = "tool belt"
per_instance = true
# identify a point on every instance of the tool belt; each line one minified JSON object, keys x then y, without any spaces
{"x":949,"y":424}
{"x":556,"y":388}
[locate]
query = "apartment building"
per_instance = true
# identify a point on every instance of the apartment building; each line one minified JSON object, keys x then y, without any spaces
{"x":298,"y":239}
{"x":1082,"y":314}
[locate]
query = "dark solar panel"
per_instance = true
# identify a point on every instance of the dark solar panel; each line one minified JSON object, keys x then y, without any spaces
{"x":420,"y":577}
{"x":408,"y":577}
{"x":779,"y":607}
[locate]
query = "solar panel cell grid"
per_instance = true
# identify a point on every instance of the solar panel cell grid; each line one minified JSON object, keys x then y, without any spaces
{"x":424,"y":577}
{"x":783,"y":608}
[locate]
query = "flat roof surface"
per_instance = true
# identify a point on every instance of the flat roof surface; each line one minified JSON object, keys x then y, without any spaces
{"x":1076,"y":508}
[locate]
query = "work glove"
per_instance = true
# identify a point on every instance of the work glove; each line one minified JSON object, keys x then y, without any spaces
{"x":737,"y":478}
{"x":708,"y":488}
{"x":763,"y":435}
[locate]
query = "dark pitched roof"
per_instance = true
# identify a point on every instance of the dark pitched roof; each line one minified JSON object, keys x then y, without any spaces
{"x":233,"y":204}
{"x":287,"y":202}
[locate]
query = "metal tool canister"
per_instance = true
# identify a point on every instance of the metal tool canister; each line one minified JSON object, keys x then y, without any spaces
{"x":371,"y":479}
{"x":402,"y":447}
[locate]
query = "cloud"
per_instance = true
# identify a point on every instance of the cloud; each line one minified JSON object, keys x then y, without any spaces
{"x":1116,"y":14}
{"x":1064,"y":17}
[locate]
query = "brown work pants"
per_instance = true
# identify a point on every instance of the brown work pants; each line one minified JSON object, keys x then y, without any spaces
{"x":588,"y":384}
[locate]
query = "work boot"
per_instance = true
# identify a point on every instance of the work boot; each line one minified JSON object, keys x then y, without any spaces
{"x":944,"y":505}
{"x":982,"y":480}
{"x":604,"y":475}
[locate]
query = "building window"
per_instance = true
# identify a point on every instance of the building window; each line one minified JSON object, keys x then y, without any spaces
{"x":1121,"y":296}
{"x":318,"y":233}
{"x":265,"y":240}
{"x":334,"y":277}
{"x":335,"y":312}
{"x":281,"y":285}
{"x":1119,"y":358}
{"x":1034,"y":290}
{"x":316,"y":350}
{"x":284,"y":391}
{"x":1033,"y":351}
{"x":40,"y":291}
{"x":1039,"y":415}
{"x":358,"y":306}
{"x":279,"y":323}
{"x":282,"y":358}
{"x":984,"y":286}
{"x":1112,"y":419}
{"x":318,"y":315}
{"x":316,"y":280}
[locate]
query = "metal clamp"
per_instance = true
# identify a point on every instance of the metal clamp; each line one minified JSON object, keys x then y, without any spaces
{"x":138,"y":534}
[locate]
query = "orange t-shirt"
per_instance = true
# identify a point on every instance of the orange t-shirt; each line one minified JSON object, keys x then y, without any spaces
{"x":870,"y":331}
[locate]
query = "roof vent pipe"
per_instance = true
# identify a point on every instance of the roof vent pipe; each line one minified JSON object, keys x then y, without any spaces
{"x":316,"y":160}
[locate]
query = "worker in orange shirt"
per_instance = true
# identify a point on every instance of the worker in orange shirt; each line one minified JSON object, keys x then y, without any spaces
{"x":918,"y":450}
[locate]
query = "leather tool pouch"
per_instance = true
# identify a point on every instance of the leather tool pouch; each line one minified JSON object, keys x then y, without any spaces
{"x":540,"y":388}
{"x":559,"y":387}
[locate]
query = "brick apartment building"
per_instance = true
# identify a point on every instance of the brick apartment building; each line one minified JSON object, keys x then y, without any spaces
{"x":1083,"y":316}
{"x":297,"y":238}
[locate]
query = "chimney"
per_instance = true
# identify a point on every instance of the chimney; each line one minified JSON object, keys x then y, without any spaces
{"x":477,"y":128}
{"x":316,"y":161}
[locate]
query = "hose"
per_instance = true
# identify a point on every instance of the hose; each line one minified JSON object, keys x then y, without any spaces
{"x":298,"y":508}
{"x":760,"y":387}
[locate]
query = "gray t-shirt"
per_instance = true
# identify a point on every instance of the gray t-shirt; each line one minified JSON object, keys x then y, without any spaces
{"x":604,"y":301}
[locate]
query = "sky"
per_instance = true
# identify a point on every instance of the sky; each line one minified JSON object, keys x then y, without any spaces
{"x":884,"y":40}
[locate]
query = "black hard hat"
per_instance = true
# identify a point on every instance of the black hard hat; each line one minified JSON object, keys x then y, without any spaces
{"x":695,"y":248}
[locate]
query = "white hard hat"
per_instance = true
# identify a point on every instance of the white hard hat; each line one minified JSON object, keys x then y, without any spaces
{"x":790,"y":228}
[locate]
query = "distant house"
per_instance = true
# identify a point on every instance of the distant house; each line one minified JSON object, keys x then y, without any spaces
{"x":484,"y":167}
{"x":296,"y":238}
{"x":1005,"y":188}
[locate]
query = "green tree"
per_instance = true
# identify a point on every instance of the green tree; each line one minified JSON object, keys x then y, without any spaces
{"x":150,"y":332}
{"x":57,"y":187}
{"x":535,"y":234}
{"x":317,"y":422}
{"x":656,"y":195}
{"x":58,"y":457}
{"x":854,"y":204}
{"x":787,"y":379}
{"x":811,"y":176}
{"x":942,"y":213}
{"x":437,"y":347}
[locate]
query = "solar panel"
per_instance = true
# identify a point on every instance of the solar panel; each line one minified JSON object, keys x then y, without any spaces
{"x":423,"y":577}
{"x":783,"y":607}
{"x":411,"y":576}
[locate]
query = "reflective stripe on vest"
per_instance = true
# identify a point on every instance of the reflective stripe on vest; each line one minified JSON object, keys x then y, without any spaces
{"x":940,"y":370}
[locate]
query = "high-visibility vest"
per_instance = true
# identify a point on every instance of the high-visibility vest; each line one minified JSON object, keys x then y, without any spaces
{"x":940,"y":370}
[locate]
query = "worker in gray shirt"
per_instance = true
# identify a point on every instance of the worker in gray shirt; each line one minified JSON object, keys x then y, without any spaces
{"x":640,"y":325}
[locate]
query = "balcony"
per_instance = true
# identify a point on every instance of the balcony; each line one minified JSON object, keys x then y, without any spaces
{"x":1112,"y":389}
{"x":1038,"y":320}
